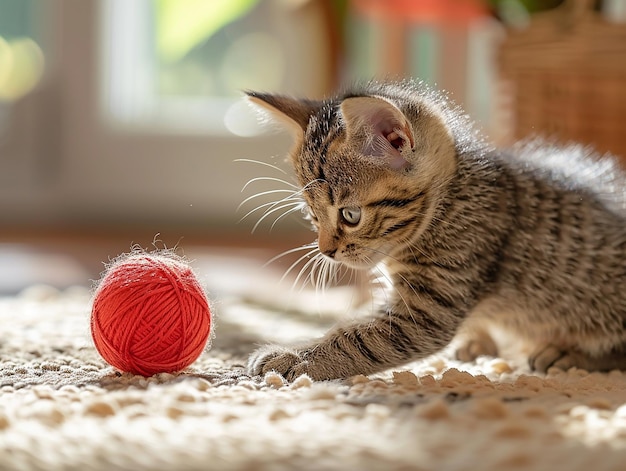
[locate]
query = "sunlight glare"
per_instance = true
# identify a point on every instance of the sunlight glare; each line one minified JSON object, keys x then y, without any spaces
{"x":21,"y":67}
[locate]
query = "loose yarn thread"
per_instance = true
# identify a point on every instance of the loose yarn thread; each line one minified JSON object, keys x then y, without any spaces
{"x":150,"y":315}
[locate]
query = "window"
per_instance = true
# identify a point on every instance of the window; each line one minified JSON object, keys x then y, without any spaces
{"x":182,"y":64}
{"x":117,"y":132}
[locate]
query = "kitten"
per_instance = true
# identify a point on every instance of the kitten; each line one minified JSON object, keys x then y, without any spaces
{"x":531,"y":239}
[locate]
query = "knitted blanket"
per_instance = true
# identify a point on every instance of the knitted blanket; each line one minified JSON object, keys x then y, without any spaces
{"x":63,"y":408}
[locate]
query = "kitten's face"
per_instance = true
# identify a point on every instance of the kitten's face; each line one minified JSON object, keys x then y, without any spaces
{"x":361,"y":210}
{"x":369,"y":172}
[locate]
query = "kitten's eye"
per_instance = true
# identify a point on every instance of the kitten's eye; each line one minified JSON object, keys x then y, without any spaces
{"x":352,"y":216}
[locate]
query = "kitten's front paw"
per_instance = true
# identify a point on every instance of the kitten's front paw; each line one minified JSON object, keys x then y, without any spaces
{"x":288,"y":362}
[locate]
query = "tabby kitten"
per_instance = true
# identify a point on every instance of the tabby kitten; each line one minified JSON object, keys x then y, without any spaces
{"x":531,"y":239}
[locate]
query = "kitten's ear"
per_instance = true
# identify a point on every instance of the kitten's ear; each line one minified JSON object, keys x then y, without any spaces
{"x":388,"y":131}
{"x":293,"y":112}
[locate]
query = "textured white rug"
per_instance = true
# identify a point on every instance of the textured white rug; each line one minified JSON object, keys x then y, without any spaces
{"x":63,"y":408}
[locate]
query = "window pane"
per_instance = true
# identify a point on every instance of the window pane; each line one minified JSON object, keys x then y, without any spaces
{"x":181,"y":64}
{"x":218,"y":48}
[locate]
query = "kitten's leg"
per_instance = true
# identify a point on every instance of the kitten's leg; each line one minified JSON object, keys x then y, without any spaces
{"x":549,"y":356}
{"x":392,"y":339}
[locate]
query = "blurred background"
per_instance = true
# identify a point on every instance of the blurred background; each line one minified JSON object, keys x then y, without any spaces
{"x":121,"y":121}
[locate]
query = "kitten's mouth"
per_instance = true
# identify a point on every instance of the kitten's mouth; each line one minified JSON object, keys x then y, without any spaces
{"x":359,"y":262}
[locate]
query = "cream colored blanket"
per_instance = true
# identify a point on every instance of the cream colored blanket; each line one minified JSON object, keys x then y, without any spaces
{"x":63,"y":408}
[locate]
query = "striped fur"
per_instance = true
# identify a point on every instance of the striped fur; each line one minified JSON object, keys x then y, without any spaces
{"x":531,"y":239}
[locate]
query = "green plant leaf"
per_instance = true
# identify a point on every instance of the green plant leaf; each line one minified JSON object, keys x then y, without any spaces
{"x":183,"y":24}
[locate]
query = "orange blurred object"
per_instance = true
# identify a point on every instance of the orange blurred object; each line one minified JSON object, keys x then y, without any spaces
{"x":435,"y":11}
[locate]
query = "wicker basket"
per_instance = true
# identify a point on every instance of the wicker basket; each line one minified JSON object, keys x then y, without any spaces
{"x":567,"y":75}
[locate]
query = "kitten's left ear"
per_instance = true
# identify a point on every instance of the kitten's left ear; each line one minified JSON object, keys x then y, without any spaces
{"x":388,"y":129}
{"x":293,"y":112}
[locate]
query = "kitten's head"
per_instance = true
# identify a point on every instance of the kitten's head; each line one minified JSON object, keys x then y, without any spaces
{"x":371,"y":163}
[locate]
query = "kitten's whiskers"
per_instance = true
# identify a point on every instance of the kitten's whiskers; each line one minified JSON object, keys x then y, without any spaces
{"x":259,"y":162}
{"x":294,"y":205}
{"x":269,"y":192}
{"x":313,"y":262}
{"x":292,"y":200}
{"x":271,"y":179}
{"x":268,"y":205}
{"x":295,"y":264}
{"x":297,"y":207}
{"x":312,"y":245}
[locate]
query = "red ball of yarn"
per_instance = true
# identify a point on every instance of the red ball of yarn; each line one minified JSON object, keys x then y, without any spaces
{"x":150,"y":315}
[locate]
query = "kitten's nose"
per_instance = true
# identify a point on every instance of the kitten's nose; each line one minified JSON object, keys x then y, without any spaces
{"x":327,"y":243}
{"x":330,"y":253}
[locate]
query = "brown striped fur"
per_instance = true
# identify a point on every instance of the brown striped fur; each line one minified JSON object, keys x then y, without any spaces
{"x":531,"y":239}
